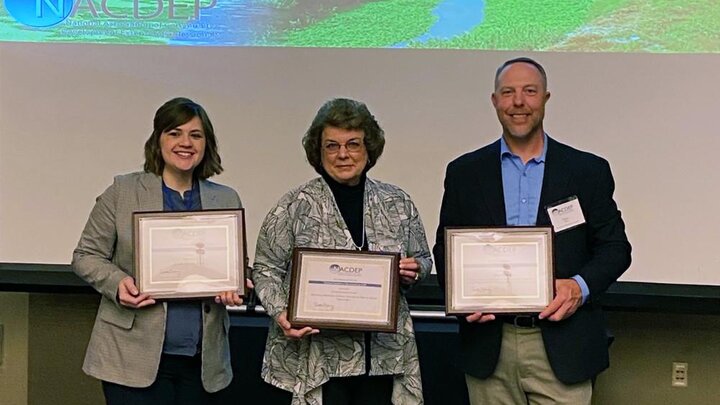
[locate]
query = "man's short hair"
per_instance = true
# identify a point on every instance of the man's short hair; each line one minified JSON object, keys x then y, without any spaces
{"x":522,"y":59}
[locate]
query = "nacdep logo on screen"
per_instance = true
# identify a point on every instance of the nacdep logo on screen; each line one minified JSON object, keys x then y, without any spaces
{"x":39,"y":13}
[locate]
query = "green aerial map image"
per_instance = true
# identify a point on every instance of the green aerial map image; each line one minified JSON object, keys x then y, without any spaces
{"x":679,"y":26}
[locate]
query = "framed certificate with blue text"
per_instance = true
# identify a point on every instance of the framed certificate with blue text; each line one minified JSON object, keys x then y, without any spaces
{"x":498,"y":270}
{"x":344,"y":289}
{"x":189,"y":254}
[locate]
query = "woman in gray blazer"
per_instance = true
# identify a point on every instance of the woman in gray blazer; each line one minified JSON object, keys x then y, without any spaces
{"x":145,"y":352}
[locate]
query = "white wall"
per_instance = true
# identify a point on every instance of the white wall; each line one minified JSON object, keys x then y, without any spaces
{"x":72,"y":116}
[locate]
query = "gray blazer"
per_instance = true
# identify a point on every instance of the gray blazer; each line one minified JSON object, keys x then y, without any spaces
{"x":126,"y":344}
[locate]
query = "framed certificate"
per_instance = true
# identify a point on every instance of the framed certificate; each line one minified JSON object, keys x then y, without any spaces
{"x":344,"y":289}
{"x":187,"y":254}
{"x":498,"y":270}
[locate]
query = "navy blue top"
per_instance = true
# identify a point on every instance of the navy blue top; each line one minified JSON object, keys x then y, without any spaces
{"x":183,"y":328}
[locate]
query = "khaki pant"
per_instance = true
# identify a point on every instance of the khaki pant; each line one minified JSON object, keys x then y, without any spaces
{"x":523,"y":375}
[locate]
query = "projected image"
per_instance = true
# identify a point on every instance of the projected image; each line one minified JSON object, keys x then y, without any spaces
{"x":533,"y":25}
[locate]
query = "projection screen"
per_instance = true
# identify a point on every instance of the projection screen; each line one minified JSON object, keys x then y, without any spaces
{"x":634,"y":81}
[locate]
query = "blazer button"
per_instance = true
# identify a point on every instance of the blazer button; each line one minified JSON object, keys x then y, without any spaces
{"x":207,"y":308}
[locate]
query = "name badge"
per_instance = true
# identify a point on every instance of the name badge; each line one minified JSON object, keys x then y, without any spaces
{"x":566,"y":214}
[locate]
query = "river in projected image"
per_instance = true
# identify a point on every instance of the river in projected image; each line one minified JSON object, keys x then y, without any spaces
{"x":661,"y":26}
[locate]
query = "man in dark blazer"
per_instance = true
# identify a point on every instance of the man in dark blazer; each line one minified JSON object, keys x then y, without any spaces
{"x":517,"y":181}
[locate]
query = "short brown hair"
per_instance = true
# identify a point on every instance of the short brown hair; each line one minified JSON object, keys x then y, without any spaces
{"x":522,"y":59}
{"x":172,"y":114}
{"x":349,"y":115}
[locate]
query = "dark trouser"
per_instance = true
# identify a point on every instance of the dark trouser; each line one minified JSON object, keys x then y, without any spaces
{"x":178,"y":382}
{"x":360,"y":390}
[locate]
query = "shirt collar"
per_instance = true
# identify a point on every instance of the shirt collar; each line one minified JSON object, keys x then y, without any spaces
{"x":194,"y":189}
{"x":505,"y":150}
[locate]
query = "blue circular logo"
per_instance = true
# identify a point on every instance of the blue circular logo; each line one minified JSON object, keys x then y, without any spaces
{"x":39,"y":13}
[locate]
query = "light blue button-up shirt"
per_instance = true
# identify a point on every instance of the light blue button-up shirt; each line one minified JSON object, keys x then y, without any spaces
{"x":522,"y":183}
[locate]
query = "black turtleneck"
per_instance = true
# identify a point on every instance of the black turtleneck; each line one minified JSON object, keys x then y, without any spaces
{"x":350,"y":201}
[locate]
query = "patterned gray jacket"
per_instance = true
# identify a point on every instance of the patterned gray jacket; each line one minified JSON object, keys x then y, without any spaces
{"x":308,"y":217}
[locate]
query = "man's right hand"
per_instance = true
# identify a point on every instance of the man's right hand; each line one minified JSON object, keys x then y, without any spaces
{"x":129,"y":296}
{"x":479,"y":317}
{"x":289,"y":331}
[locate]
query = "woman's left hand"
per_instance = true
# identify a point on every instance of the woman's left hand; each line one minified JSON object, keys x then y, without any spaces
{"x":228,"y":298}
{"x":409,"y":270}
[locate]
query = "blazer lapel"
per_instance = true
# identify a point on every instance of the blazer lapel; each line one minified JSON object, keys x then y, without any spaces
{"x":490,"y":182}
{"x":208,"y":197}
{"x":555,"y":179}
{"x":151,"y":199}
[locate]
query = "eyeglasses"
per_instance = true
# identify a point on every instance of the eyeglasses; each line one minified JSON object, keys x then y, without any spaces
{"x":353,"y":145}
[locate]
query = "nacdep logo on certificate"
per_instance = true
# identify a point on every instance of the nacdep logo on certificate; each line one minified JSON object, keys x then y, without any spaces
{"x":336,"y":268}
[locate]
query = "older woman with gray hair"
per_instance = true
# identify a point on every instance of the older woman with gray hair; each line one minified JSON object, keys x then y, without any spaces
{"x":341,"y":209}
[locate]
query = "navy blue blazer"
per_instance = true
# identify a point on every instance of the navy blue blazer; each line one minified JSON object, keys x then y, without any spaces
{"x":598,"y":250}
